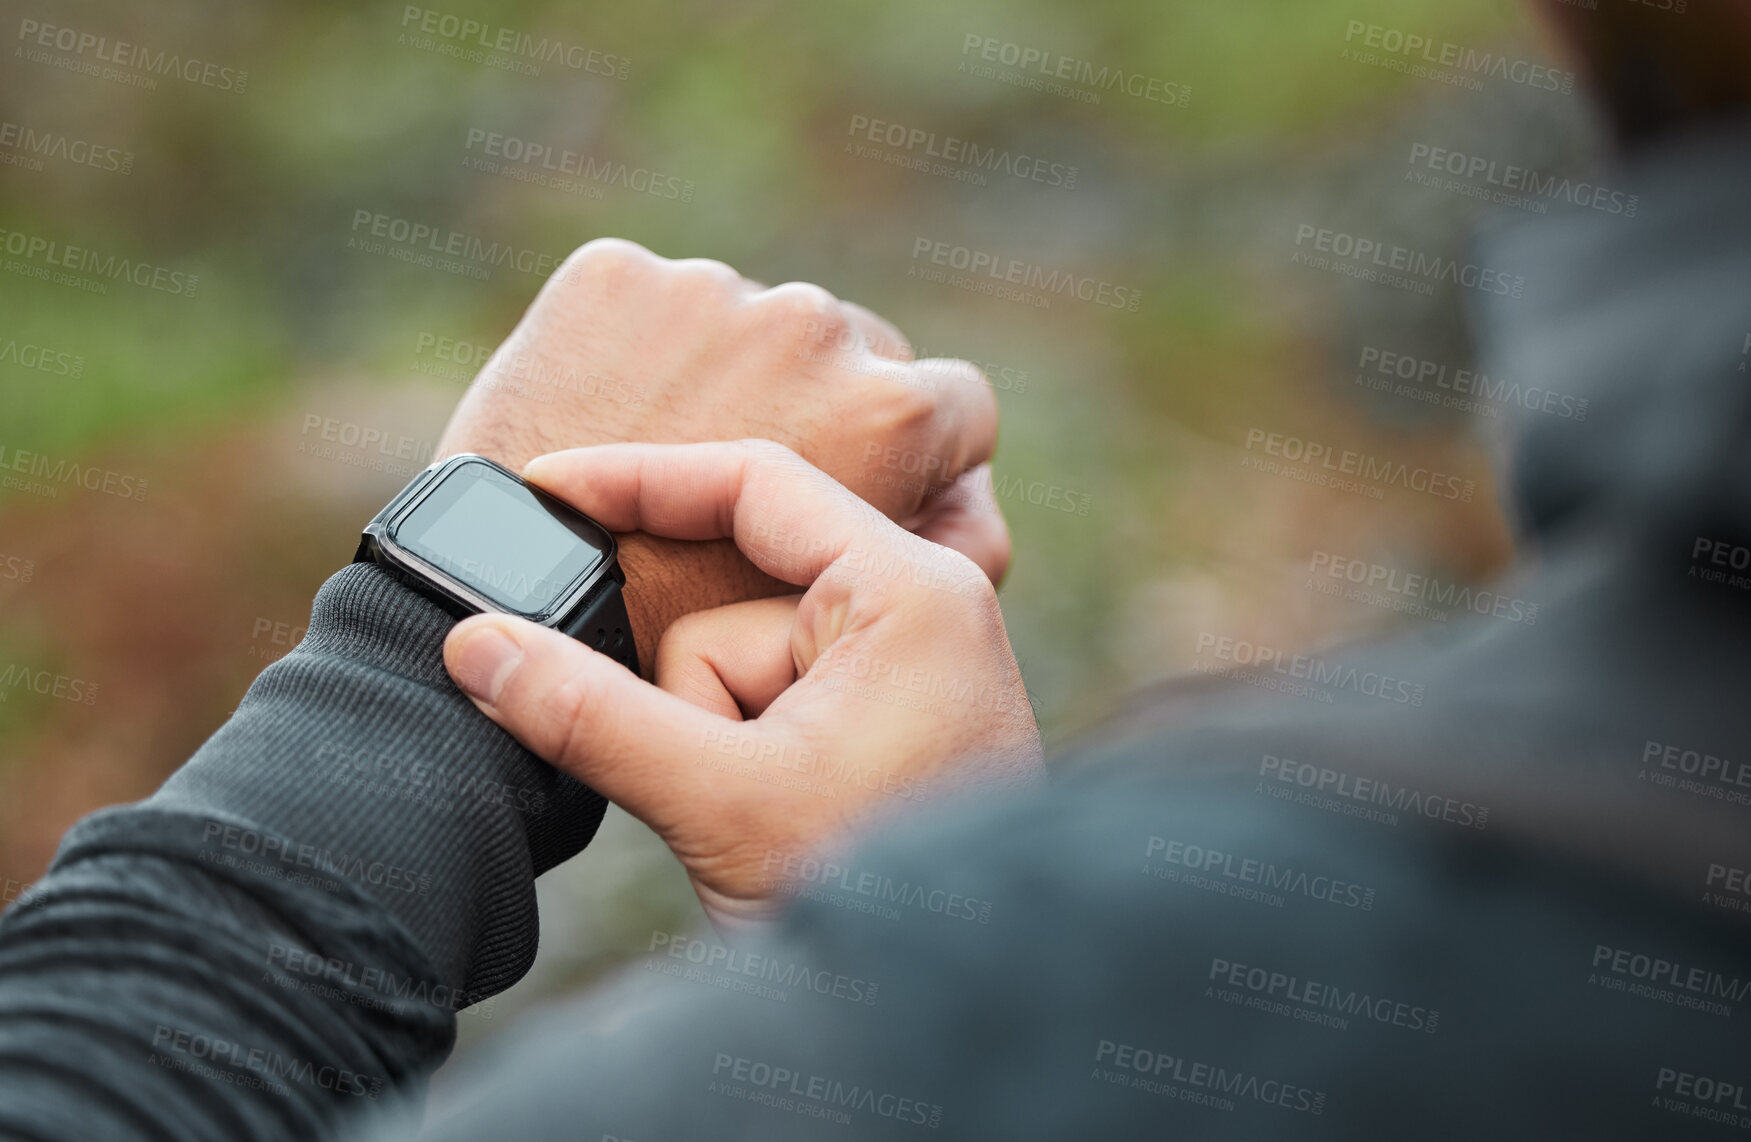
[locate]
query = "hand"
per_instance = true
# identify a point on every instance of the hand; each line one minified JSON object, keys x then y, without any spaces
{"x":622,"y":345}
{"x":888,"y":681}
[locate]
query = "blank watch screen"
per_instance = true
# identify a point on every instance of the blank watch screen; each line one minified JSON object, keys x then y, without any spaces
{"x":496,"y":535}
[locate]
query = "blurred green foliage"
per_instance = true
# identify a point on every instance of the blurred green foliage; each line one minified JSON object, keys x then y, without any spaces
{"x":752,"y":103}
{"x":749,"y":101}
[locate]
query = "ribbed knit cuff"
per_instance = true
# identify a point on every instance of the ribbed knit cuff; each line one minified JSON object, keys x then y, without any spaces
{"x":356,"y":757}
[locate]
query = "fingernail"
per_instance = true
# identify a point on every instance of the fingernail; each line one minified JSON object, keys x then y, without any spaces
{"x":484,"y":660}
{"x":533,"y":469}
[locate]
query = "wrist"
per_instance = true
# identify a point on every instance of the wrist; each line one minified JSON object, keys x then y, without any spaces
{"x":669,"y":578}
{"x":356,"y":748}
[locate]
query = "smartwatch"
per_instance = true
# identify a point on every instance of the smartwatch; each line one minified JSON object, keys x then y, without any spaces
{"x":473,"y":536}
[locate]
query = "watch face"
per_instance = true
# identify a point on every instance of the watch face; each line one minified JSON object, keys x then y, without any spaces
{"x":520,"y":548}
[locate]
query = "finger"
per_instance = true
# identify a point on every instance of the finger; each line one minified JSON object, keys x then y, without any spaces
{"x":788,"y":517}
{"x":966,"y":517}
{"x":583,"y":712}
{"x":880,"y":336}
{"x":732,"y":660}
{"x":961,"y":430}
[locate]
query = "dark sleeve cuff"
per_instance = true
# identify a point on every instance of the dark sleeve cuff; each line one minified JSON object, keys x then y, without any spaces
{"x":355,"y":757}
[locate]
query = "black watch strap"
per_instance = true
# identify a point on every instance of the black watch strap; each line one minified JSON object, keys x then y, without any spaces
{"x":602,"y":623}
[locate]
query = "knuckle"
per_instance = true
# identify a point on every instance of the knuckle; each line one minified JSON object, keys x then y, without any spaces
{"x":774,"y":473}
{"x":952,"y":579}
{"x":953,"y":371}
{"x":899,"y":410}
{"x":605,"y":260}
{"x":682,"y":640}
{"x":967,"y":383}
{"x":803,"y":309}
{"x":770,"y":454}
{"x":683,"y":659}
{"x":567,"y":712}
{"x":706,"y":273}
{"x":890,"y":344}
{"x":880,"y":336}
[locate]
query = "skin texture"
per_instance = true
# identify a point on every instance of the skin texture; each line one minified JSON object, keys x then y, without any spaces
{"x":630,"y":346}
{"x":783,"y":725}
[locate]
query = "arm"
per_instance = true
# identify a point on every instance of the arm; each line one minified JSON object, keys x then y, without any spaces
{"x":1097,"y":998}
{"x":1166,"y":955}
{"x":283,"y":933}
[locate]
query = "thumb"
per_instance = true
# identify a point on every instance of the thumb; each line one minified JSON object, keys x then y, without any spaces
{"x":583,"y":712}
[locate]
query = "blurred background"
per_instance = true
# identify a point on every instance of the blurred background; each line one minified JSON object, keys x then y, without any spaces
{"x":192,"y":441}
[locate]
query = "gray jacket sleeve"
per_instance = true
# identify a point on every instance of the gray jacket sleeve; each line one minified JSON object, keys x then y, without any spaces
{"x":282,"y":935}
{"x":1159,"y":959}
